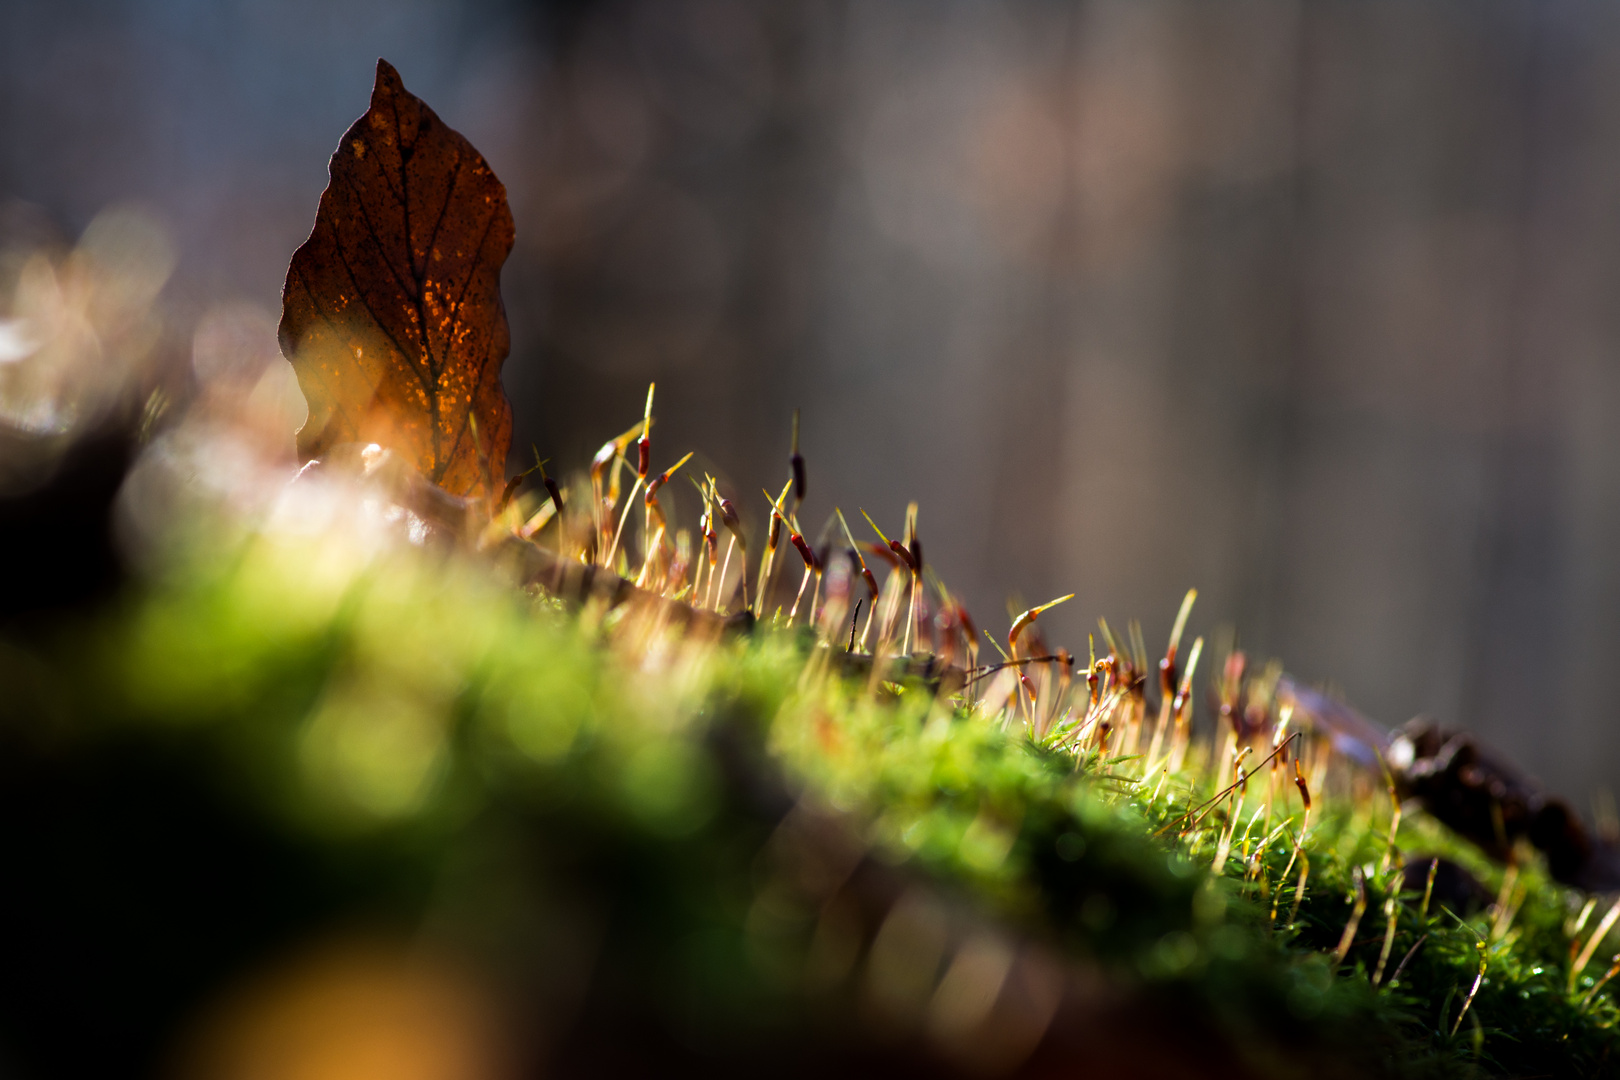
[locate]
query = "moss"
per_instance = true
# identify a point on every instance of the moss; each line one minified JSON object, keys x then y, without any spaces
{"x":414,"y":708}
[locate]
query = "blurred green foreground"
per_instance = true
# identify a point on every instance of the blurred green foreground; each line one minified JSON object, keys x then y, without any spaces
{"x":310,"y":801}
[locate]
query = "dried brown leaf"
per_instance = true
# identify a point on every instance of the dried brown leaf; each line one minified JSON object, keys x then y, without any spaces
{"x":392,"y":313}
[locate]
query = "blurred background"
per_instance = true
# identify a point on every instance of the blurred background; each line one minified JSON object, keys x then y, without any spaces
{"x":1309,"y":305}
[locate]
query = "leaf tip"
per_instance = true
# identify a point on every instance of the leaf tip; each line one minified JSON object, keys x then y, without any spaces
{"x":388,"y":83}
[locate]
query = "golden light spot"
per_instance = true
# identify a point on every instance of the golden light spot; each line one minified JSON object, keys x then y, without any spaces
{"x":359,"y":148}
{"x":351,"y":1009}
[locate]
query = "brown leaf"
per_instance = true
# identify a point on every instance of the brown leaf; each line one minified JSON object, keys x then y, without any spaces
{"x":392,"y":313}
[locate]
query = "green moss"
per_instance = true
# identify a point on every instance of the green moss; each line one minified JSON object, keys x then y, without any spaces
{"x":360,"y":699}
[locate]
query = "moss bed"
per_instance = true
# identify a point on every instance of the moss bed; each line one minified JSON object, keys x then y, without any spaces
{"x":774,"y":864}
